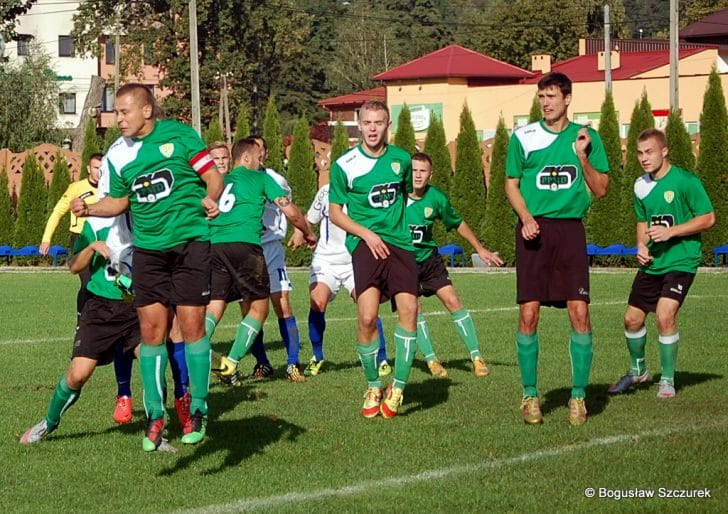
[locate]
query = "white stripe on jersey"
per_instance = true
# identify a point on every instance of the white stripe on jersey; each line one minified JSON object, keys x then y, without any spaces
{"x":274,"y":220}
{"x":355,"y":164}
{"x":644,"y":185}
{"x":533,"y":137}
{"x":331,"y":240}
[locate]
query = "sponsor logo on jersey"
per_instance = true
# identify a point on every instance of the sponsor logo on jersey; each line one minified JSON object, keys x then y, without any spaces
{"x":153,"y":187}
{"x":428,"y":212}
{"x":167,"y":149}
{"x":666,"y":220}
{"x":417,"y":233}
{"x":554,"y":178}
{"x":669,"y":196}
{"x":396,"y":168}
{"x":382,"y":196}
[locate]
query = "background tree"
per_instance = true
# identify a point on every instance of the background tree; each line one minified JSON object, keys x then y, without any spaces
{"x":405,"y":136}
{"x":340,"y":142}
{"x":436,"y":148}
{"x":59,"y":183}
{"x":535,"y":114}
{"x":302,"y":179}
{"x":678,"y":140}
{"x":213,"y":132}
{"x":497,"y":229}
{"x":7,"y":213}
{"x":112,"y":134}
{"x":467,"y":187}
{"x":30,"y":105}
{"x":272,"y":135}
{"x":10,"y":10}
{"x":641,"y":119}
{"x":242,"y":122}
{"x":604,"y":222}
{"x":91,"y":145}
{"x":712,"y":167}
{"x":31,"y":205}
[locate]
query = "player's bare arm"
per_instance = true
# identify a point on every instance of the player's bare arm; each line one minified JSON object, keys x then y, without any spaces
{"x":373,"y":241}
{"x":105,"y":208}
{"x":486,"y":255}
{"x":213,"y":181}
{"x":530,"y":228}
{"x":82,"y":259}
{"x":293,"y":213}
{"x":595,"y":181}
{"x":643,"y":251}
{"x":661,"y":233}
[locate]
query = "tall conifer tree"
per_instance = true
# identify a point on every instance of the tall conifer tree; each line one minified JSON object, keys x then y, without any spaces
{"x":678,"y":141}
{"x":91,"y":145}
{"x":7,"y":213}
{"x":59,"y":183}
{"x":31,"y":205}
{"x":272,"y":135}
{"x":405,"y":136}
{"x":497,"y":229}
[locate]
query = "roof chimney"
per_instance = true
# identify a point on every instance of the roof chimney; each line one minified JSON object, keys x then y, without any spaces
{"x":541,"y":62}
{"x":615,"y":60}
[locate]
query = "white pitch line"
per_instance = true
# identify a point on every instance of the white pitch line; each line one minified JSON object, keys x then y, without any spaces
{"x":283,"y":500}
{"x":303,"y":323}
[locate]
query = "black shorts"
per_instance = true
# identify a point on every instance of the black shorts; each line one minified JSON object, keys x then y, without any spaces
{"x":648,"y":289}
{"x":177,"y":276}
{"x":395,"y":274}
{"x":553,"y":268}
{"x":102,"y":326}
{"x":239,"y":272}
{"x":432,"y":275}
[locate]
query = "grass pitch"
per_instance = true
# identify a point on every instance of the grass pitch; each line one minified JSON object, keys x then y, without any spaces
{"x":459,"y":444}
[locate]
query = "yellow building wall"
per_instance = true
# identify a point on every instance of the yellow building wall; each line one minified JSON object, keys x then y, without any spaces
{"x":487,"y":103}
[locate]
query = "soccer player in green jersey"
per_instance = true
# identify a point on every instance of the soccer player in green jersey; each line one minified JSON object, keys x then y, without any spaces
{"x":672,"y":210}
{"x":239,"y":270}
{"x":551,"y":167}
{"x":105,"y":322}
{"x":425,"y":205}
{"x":161,"y":170}
{"x":372,"y":180}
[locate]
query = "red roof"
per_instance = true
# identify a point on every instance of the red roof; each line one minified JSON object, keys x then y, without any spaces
{"x":583,"y":68}
{"x":712,"y":25}
{"x":454,"y":61}
{"x":358,"y":98}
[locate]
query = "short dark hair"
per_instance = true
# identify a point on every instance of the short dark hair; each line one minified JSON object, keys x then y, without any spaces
{"x":97,"y":156}
{"x":422,"y":156}
{"x":653,"y":133}
{"x":258,"y":137}
{"x":144,"y":94}
{"x":242,"y":146}
{"x":557,"y":79}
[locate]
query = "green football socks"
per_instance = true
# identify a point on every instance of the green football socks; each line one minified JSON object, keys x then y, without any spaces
{"x":668,"y":355}
{"x":424,"y":342}
{"x":198,"y":354}
{"x":153,"y":365}
{"x":580,"y":351}
{"x":636,"y":342}
{"x":63,"y":398}
{"x":405,"y":344}
{"x":465,"y":328}
{"x":245,"y":336}
{"x":368,"y":357}
{"x":210,"y":324}
{"x":527,"y":351}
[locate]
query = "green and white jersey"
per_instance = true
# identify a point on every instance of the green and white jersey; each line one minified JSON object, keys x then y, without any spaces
{"x":551,"y":179}
{"x":160,"y":173}
{"x":241,"y":206}
{"x":102,"y":276}
{"x":374,"y":190}
{"x":676,"y":198}
{"x":421,"y":216}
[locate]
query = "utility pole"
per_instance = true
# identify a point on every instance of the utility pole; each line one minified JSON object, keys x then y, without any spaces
{"x":226,"y":110}
{"x":674,"y":60}
{"x":194,"y":68}
{"x":117,"y":61}
{"x":607,"y":51}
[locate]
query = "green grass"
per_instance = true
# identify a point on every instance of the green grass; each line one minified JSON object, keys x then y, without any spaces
{"x":459,"y":444}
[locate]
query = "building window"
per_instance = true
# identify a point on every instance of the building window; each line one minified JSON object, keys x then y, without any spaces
{"x":110,"y":51}
{"x":23,"y":45}
{"x":107,"y":102}
{"x":65,"y":46}
{"x":67,"y":103}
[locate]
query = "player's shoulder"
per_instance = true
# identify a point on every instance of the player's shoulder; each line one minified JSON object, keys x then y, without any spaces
{"x":348,"y":156}
{"x":531,"y":131}
{"x":397,"y":152}
{"x":436,"y":194}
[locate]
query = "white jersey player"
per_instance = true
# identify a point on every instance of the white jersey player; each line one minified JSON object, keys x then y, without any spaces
{"x":331,"y":268}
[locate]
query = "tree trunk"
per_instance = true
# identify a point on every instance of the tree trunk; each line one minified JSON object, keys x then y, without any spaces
{"x":93,"y":101}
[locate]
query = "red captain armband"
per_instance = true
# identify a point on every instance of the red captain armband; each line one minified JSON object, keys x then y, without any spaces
{"x":202,"y":162}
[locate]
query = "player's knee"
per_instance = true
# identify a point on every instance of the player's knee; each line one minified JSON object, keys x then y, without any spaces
{"x":665,"y":322}
{"x":76,"y":378}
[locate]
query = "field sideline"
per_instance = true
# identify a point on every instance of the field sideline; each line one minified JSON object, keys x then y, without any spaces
{"x":458,"y":445}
